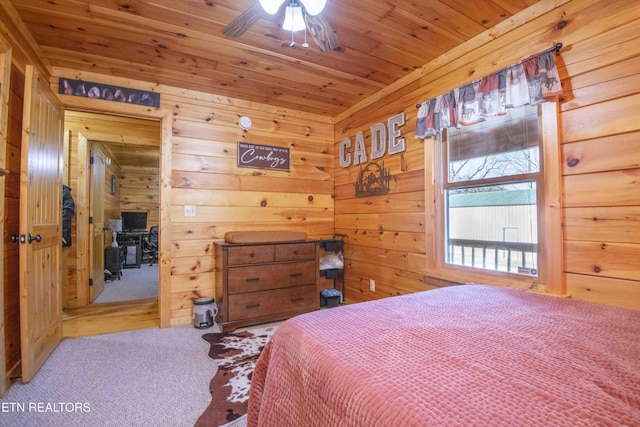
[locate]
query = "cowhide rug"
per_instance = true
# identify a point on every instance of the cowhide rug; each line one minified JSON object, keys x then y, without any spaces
{"x":236,"y":354}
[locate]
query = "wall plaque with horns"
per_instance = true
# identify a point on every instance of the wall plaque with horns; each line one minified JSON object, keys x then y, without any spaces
{"x":108,"y":92}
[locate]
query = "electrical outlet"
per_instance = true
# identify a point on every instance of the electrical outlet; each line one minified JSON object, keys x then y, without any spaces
{"x":372,"y":285}
{"x":189,"y":210}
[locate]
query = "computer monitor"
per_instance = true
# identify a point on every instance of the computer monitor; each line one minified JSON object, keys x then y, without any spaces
{"x":134,"y":221}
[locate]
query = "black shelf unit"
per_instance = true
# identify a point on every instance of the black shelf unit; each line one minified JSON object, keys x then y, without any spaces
{"x":335,"y":244}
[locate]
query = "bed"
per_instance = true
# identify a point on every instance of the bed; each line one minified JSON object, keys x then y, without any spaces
{"x":456,"y":356}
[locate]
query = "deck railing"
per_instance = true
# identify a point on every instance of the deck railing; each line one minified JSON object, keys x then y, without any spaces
{"x":492,"y":255}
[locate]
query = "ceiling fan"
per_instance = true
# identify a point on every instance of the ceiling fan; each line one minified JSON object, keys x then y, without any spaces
{"x":300,"y":14}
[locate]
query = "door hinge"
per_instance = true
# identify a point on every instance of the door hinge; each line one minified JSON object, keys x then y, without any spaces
{"x":91,"y":159}
{"x":90,"y":220}
{"x":90,"y":282}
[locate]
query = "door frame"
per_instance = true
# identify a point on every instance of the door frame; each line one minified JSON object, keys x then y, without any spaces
{"x":165,"y":116}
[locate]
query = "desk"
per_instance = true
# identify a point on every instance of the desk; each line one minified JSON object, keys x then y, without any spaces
{"x":132,"y":242}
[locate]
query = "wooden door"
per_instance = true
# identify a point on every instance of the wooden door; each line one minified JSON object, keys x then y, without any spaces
{"x":40,"y":224}
{"x":96,"y":224}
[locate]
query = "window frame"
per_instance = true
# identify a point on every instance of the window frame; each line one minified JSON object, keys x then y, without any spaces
{"x":536,"y":177}
{"x":549,"y":206}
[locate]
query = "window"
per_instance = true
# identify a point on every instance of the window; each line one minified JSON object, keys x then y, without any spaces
{"x":493,"y":189}
{"x":492,"y":192}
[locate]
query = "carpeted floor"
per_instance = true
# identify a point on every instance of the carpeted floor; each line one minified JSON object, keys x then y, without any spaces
{"x":135,"y":284}
{"x":150,"y":377}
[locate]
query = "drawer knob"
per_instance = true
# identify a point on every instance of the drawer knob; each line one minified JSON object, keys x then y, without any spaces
{"x":250,"y":306}
{"x":252,"y":255}
{"x":252,"y":279}
{"x":295,"y":252}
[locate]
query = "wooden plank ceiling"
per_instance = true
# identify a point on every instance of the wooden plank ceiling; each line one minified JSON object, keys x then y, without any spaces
{"x":180,"y":43}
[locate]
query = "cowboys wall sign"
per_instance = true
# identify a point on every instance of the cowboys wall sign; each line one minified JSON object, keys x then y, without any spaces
{"x":374,"y":178}
{"x":263,"y":156}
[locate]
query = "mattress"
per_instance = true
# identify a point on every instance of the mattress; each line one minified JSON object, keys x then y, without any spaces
{"x":456,"y":356}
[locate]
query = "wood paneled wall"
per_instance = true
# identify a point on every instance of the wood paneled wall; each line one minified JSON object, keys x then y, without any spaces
{"x":600,"y":128}
{"x":139,"y":189}
{"x":204,"y":173}
{"x":601,"y":158}
{"x":70,"y":265}
{"x":228,"y":198}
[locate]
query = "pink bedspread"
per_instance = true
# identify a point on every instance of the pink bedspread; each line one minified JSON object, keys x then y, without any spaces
{"x":458,"y":356}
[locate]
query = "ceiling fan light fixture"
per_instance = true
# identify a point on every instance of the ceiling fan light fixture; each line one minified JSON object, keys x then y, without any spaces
{"x":271,"y":6}
{"x":313,"y":7}
{"x":293,"y":19}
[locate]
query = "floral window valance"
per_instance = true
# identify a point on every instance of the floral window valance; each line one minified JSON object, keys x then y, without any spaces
{"x":526,"y":82}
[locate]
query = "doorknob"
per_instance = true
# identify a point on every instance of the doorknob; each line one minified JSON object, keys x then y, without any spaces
{"x":14,"y":238}
{"x":37,"y":238}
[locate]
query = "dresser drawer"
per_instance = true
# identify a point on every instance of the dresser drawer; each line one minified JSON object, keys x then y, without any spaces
{"x":272,"y":276}
{"x":295,"y":251}
{"x":250,"y":254}
{"x":265,"y":303}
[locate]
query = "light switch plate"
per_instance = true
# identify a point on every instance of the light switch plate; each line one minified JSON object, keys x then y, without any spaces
{"x":189,"y":210}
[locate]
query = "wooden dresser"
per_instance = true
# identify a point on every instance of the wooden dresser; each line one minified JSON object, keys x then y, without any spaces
{"x":265,"y":282}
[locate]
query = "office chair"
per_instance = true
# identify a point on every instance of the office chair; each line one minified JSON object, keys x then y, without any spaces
{"x":150,"y":245}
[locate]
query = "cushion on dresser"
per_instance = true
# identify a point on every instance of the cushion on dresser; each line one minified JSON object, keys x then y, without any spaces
{"x":264,"y":236}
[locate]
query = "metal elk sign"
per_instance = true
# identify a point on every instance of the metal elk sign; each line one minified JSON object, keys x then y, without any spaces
{"x":374,"y":178}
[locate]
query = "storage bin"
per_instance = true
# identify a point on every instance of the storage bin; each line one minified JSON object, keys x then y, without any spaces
{"x":330,"y":298}
{"x":333,"y":301}
{"x":331,"y":245}
{"x":331,"y":273}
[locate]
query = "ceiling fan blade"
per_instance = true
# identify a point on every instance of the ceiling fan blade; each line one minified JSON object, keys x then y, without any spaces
{"x":323,"y":34}
{"x":244,"y":21}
